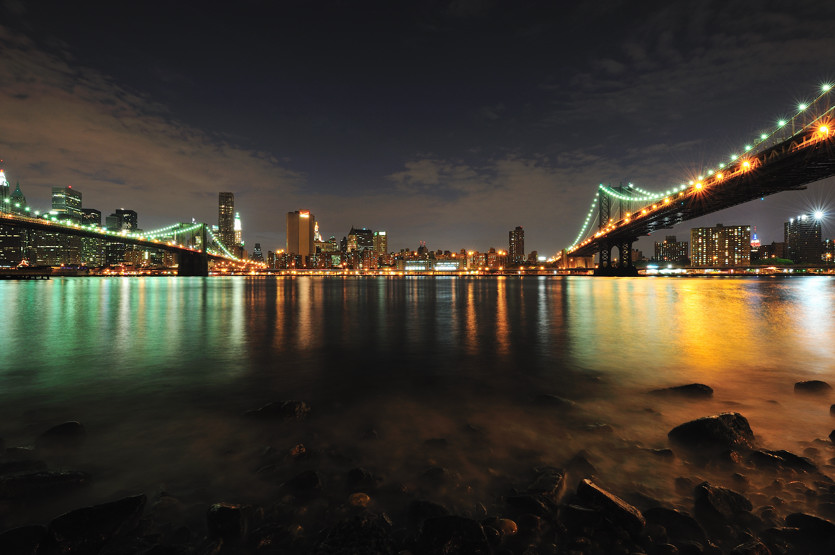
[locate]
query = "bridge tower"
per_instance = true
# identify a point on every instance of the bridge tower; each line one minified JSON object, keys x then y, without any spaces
{"x":605,"y":213}
{"x":195,"y":263}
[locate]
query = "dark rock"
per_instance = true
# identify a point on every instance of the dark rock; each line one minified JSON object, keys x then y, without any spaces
{"x":663,"y":453}
{"x":812,"y":386}
{"x":366,"y":533}
{"x":228,"y":522}
{"x":715,"y":506}
{"x":304,"y":483}
{"x":420,"y":510}
{"x":12,"y":467}
{"x":693,"y":391}
{"x":24,"y":540}
{"x":2,"y":446}
{"x":579,"y":465}
{"x":530,"y":503}
{"x":613,"y":507}
{"x":713,"y":434}
{"x":438,"y":476}
{"x":41,"y":483}
{"x":781,"y":459}
{"x":685,"y":485}
{"x":504,"y":526}
{"x":576,"y":517}
{"x":813,"y":526}
{"x":549,"y":482}
{"x":549,"y":400}
{"x":450,"y":535}
{"x":680,"y":526}
{"x":783,"y":539}
{"x":87,"y":530}
{"x":286,"y":410}
{"x":20,"y":454}
{"x":753,"y":547}
{"x":832,"y":410}
{"x":69,"y":435}
{"x":831,"y":436}
{"x":360,"y":478}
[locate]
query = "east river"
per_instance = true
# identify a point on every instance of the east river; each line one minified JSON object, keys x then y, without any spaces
{"x":401,"y":375}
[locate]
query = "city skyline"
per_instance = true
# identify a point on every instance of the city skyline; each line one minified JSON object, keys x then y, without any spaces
{"x":472,"y":119}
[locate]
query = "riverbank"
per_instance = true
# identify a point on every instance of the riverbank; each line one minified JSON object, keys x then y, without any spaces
{"x":715,"y":487}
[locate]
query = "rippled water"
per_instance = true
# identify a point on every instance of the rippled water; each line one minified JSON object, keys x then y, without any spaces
{"x":160,"y":371}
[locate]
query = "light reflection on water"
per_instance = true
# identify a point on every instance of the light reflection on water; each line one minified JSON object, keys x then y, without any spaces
{"x":171,"y":363}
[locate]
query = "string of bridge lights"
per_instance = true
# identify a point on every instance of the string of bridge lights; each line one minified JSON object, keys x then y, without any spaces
{"x":222,"y":246}
{"x":644,"y":195}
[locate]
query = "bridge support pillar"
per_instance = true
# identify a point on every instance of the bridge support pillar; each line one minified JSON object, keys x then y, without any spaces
{"x":194,"y":263}
{"x":624,"y":267}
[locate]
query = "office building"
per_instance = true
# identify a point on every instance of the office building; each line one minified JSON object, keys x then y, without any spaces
{"x":92,"y":248}
{"x":803,"y":239}
{"x":66,"y":203}
{"x":516,"y":246}
{"x":671,"y":250}
{"x":720,"y":246}
{"x":226,"y":219}
{"x":361,"y":239}
{"x":381,"y":243}
{"x":301,"y":229}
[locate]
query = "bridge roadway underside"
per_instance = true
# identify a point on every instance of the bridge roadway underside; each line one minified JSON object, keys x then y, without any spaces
{"x":780,"y":168}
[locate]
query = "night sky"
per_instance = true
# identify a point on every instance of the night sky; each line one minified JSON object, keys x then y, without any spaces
{"x":449,"y":122}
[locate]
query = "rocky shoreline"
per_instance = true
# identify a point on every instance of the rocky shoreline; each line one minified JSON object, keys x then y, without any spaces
{"x":737,"y":497}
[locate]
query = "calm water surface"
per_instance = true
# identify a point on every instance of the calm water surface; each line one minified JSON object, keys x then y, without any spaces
{"x":160,"y":371}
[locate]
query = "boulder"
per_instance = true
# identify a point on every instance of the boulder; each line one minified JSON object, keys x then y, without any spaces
{"x":692,"y":391}
{"x":284,"y":410}
{"x":549,"y":482}
{"x":812,"y":526}
{"x":69,"y":435}
{"x":420,"y":510}
{"x":304,"y":483}
{"x":715,"y":506}
{"x":228,"y":522}
{"x":25,"y":465}
{"x":713,"y":434}
{"x":679,"y":526}
{"x":87,"y":530}
{"x":613,"y":507}
{"x":452,"y":535}
{"x":24,"y":540}
{"x":530,"y":503}
{"x":817,"y":387}
{"x":762,"y":458}
{"x":42,"y":483}
{"x":366,"y":533}
{"x":753,"y":547}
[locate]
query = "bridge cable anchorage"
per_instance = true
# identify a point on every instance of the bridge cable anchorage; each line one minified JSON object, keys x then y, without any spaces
{"x":817,"y":115}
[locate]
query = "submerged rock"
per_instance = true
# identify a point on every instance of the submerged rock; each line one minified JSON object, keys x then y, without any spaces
{"x":812,"y":386}
{"x":692,"y":390}
{"x":287,"y":410}
{"x":87,"y":530}
{"x":613,"y":507}
{"x":713,"y":434}
{"x":69,"y":435}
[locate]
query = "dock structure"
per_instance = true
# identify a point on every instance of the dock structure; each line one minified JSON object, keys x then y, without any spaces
{"x":26,"y":273}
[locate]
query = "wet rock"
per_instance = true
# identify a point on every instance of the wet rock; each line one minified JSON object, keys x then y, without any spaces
{"x":286,"y":410}
{"x":753,"y":547}
{"x":713,"y":434}
{"x":20,"y":454}
{"x":812,"y":526}
{"x":613,"y":507}
{"x":504,"y":526}
{"x":530,"y":503}
{"x":549,"y":482}
{"x":832,"y":410}
{"x":679,"y":526}
{"x":304,"y":483}
{"x":420,"y":510}
{"x":715,"y":506}
{"x":693,"y":391}
{"x":450,"y":535}
{"x":228,"y":522}
{"x":438,"y":476}
{"x":813,"y":387}
{"x":783,"y":539}
{"x":25,"y":540}
{"x":781,"y":459}
{"x":298,"y":452}
{"x":832,"y":436}
{"x":69,"y":435}
{"x":579,"y":465}
{"x":43,"y":483}
{"x":555,"y":401}
{"x":26,"y":465}
{"x":87,"y":530}
{"x":360,"y":478}
{"x":662,"y":453}
{"x":366,"y":533}
{"x":359,"y":499}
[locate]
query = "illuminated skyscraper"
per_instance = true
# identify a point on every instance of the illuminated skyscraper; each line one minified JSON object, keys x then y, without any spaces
{"x":720,"y":246}
{"x":226,"y":219}
{"x":381,"y":243}
{"x":5,"y":192}
{"x":361,"y":239}
{"x":238,"y":228}
{"x":803,"y":239}
{"x":301,"y":227}
{"x":516,"y":246}
{"x":66,"y":203}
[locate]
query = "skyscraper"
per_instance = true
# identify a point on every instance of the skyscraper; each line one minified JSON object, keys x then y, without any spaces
{"x":720,"y":246}
{"x":381,"y":243}
{"x":360,"y":239}
{"x":226,"y":219}
{"x":803,"y":239}
{"x":516,"y":246}
{"x":66,"y":203}
{"x":238,"y":229}
{"x":301,"y":226}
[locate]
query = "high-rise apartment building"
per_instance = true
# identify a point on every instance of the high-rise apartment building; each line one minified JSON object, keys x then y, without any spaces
{"x":226,"y":219}
{"x":360,"y":239}
{"x":803,"y":239}
{"x":66,"y":203}
{"x":516,"y":246}
{"x":301,"y":227}
{"x":671,"y":250}
{"x":720,"y":246}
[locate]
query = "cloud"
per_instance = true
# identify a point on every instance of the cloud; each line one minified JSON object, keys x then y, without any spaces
{"x":70,"y":125}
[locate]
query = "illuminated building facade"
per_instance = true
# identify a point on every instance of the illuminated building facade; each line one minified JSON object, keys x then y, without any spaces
{"x":301,"y":232}
{"x":92,"y":248}
{"x":381,"y":243}
{"x":238,"y":229}
{"x":671,"y":250}
{"x":66,"y":203}
{"x":720,"y":246}
{"x":361,"y":239}
{"x":226,"y":219}
{"x":803,"y":239}
{"x":516,"y":246}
